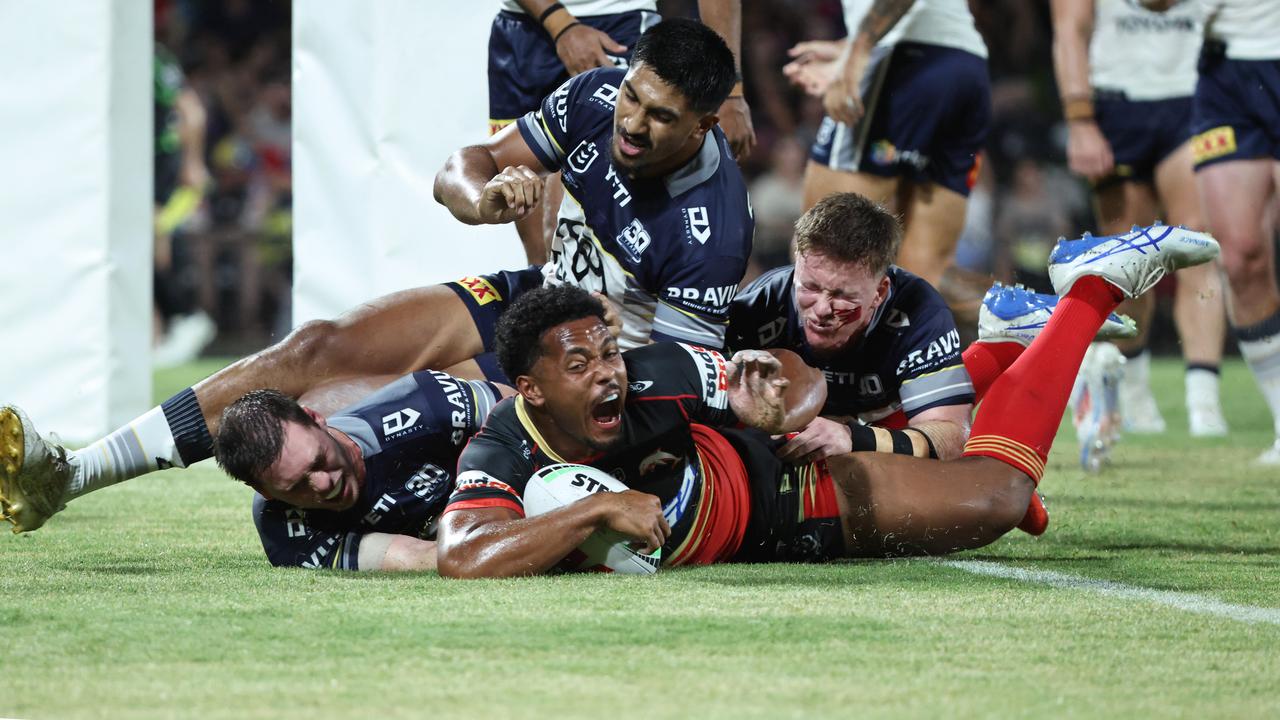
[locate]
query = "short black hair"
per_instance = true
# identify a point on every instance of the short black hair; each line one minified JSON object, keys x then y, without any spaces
{"x":251,"y":433}
{"x":851,"y":228}
{"x":690,"y":57}
{"x":521,"y":327}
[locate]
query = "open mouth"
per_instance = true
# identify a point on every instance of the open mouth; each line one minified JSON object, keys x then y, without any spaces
{"x":629,"y":146}
{"x":607,"y":413}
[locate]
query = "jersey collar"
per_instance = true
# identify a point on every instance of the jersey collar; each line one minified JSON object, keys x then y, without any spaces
{"x":699,"y":169}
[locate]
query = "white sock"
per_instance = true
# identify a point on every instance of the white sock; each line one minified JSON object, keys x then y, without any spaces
{"x":1202,"y":387}
{"x":172,"y":435}
{"x":1262,"y":355}
{"x":1137,"y":370}
{"x":135,"y":449}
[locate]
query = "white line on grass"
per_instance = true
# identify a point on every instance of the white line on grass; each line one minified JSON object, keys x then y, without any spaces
{"x":1189,"y":602}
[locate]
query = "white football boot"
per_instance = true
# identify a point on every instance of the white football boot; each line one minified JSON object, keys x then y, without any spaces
{"x":33,"y":473}
{"x":1134,"y":261}
{"x":1013,"y":313}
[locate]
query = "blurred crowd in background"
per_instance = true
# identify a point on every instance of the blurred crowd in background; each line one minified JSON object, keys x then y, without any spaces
{"x":229,"y":269}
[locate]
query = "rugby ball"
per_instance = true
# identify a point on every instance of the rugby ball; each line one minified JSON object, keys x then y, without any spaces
{"x":556,"y":486}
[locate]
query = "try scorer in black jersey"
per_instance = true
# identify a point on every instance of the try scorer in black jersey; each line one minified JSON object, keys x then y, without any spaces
{"x":711,"y":494}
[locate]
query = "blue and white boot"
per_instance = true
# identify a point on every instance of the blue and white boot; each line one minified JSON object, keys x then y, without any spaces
{"x":1013,"y":313}
{"x":1134,"y":261}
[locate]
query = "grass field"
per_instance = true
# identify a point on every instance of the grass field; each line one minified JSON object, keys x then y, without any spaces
{"x":153,"y":599}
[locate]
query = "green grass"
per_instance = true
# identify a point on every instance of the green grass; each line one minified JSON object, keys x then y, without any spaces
{"x":153,"y":600}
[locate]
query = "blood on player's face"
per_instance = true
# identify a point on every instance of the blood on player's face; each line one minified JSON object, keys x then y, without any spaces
{"x":836,"y":300}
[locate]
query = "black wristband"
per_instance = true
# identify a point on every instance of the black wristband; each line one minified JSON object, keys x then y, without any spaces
{"x":556,"y":40}
{"x":547,"y":13}
{"x":868,"y":438}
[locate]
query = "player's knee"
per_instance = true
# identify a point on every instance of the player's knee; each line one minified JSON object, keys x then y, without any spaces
{"x":1246,"y":262}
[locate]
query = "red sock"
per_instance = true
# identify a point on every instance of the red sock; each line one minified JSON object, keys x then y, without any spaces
{"x":985,"y":362}
{"x":1023,"y":409}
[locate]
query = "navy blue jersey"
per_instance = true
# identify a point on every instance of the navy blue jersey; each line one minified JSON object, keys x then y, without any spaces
{"x":907,"y":360}
{"x":669,"y":252}
{"x":669,"y":386}
{"x":410,"y":434}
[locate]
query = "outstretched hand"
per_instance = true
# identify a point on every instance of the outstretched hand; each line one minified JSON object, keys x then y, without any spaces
{"x":756,"y":386}
{"x":815,"y":66}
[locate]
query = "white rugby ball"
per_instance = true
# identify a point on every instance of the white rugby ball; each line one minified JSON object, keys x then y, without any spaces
{"x":555,"y":486}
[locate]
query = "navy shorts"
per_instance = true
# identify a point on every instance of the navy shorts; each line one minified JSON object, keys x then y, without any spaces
{"x":928,"y":112}
{"x":524,"y":67}
{"x":1236,"y":111}
{"x":486,"y":296}
{"x":1142,"y":133}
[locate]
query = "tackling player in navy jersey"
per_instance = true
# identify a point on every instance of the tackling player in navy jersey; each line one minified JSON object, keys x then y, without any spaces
{"x":362,"y":489}
{"x":655,"y":214}
{"x":884,"y":339}
{"x":660,"y":223}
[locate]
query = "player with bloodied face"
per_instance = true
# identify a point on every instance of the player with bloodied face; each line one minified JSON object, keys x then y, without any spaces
{"x":884,"y":338}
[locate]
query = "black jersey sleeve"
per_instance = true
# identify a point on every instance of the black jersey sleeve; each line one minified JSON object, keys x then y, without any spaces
{"x":496,"y":465}
{"x":697,"y":377}
{"x":289,"y":541}
{"x":759,"y":314}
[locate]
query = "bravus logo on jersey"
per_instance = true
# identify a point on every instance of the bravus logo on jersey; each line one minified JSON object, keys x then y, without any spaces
{"x":939,"y":350}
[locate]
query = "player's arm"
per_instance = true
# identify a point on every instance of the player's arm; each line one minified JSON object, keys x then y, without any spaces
{"x":725,"y":17}
{"x":843,"y":99}
{"x":387,"y":552}
{"x":495,"y":182}
{"x":946,"y":428}
{"x":490,"y":542}
{"x":1088,"y":152}
{"x":580,"y":47}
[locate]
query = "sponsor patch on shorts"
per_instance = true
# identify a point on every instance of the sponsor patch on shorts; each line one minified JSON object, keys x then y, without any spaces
{"x":480,"y":289}
{"x":1213,"y":143}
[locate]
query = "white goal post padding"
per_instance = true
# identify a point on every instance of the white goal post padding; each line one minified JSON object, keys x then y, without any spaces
{"x":75,"y":198}
{"x":383,"y":92}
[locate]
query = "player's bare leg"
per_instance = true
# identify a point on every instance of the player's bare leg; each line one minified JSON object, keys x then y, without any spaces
{"x":390,"y":336}
{"x":892,"y":505}
{"x":821,"y":181}
{"x":1234,"y":198}
{"x":426,"y":327}
{"x":1199,"y":307}
{"x":932,"y":220}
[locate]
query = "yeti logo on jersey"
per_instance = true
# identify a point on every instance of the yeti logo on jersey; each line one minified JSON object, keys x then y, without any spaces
{"x":399,"y":422}
{"x":634,"y":239}
{"x":620,"y":192}
{"x":715,"y":375}
{"x":938,"y":350}
{"x":606,"y":95}
{"x":698,"y":224}
{"x":582,"y":156}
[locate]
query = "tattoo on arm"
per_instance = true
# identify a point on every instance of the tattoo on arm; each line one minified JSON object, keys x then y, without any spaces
{"x":881,"y":18}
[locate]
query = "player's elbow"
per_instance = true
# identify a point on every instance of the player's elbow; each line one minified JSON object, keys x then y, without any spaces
{"x":457,"y":562}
